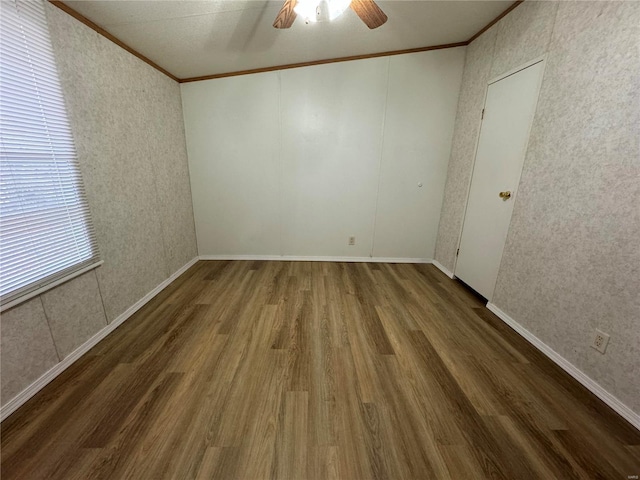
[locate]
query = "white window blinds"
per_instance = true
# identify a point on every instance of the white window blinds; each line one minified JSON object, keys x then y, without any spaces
{"x":45,"y":226}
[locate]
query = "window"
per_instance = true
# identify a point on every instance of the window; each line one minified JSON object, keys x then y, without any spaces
{"x":46,"y":235}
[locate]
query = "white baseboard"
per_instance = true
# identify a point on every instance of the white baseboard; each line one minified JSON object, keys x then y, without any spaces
{"x":619,"y":407}
{"x":295,"y":258}
{"x":442,"y":268}
{"x":20,"y":399}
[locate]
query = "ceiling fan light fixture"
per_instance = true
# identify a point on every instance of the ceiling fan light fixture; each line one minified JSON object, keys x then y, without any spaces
{"x":321,"y":10}
{"x":337,"y":7}
{"x":307,"y":9}
{"x":326,"y":10}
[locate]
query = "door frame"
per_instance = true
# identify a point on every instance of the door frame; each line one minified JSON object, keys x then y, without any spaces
{"x":513,"y":71}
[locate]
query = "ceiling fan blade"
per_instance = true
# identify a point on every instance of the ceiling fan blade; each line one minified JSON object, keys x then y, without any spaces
{"x":286,"y":15}
{"x":369,"y":12}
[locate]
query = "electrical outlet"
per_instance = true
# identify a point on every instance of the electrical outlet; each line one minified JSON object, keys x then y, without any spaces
{"x":600,"y":341}
{"x":352,"y":240}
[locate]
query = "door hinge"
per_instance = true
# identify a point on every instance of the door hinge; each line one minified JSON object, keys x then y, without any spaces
{"x":482,"y":117}
{"x":457,"y":252}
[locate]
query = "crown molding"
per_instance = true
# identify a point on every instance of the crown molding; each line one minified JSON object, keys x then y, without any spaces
{"x":82,"y":19}
{"x":322,"y":62}
{"x":495,"y":20}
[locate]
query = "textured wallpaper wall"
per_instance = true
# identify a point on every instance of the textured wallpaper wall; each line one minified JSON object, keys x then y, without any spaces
{"x":572,"y":258}
{"x":127,"y":123}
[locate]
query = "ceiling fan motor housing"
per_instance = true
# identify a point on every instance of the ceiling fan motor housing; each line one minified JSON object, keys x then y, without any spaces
{"x":314,"y":11}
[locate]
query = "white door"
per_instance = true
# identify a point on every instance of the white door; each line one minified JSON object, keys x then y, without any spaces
{"x":508,"y":113}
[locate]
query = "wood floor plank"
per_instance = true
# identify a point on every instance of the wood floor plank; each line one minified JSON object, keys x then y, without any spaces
{"x":315,"y":370}
{"x":461,"y":463}
{"x":323,"y":463}
{"x":218,"y":462}
{"x":110,"y":462}
{"x":410,"y":435}
{"x":293,"y":452}
{"x":435,"y":407}
{"x":258,"y":450}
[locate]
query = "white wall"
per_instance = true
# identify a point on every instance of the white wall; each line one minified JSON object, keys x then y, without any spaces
{"x":296,"y":161}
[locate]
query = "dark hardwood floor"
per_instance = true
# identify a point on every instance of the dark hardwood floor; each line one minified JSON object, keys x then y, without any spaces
{"x":303,"y":370}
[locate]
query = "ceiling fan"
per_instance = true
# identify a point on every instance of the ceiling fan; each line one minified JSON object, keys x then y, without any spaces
{"x":314,"y":10}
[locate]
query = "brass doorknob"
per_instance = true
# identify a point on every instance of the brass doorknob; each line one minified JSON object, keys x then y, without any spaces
{"x":505,"y":195}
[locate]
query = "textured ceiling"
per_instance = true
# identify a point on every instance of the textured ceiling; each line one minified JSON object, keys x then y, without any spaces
{"x":195,"y":38}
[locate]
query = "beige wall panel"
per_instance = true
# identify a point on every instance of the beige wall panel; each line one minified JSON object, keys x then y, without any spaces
{"x":523,"y":35}
{"x":571,"y":262}
{"x":26,"y":347}
{"x":74,"y":311}
{"x":127,"y":133}
{"x":171,"y":174}
{"x":126,"y":119}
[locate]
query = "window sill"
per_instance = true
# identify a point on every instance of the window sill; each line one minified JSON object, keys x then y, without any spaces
{"x":49,"y":286}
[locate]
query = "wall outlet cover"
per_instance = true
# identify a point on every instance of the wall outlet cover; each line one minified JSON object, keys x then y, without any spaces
{"x":600,"y":341}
